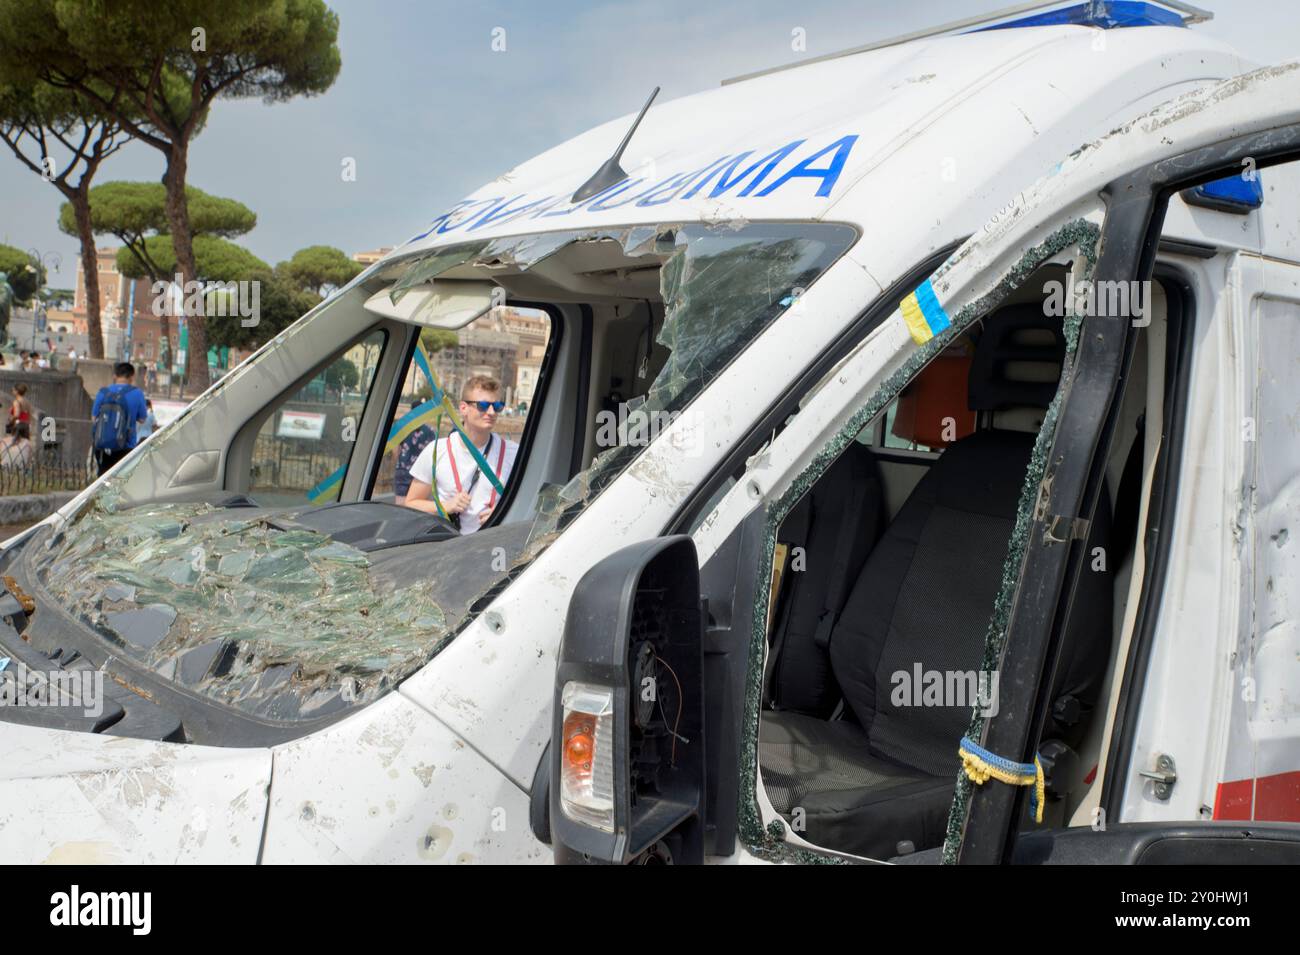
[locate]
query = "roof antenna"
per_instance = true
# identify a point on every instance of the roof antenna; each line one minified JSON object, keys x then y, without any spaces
{"x":611,"y":173}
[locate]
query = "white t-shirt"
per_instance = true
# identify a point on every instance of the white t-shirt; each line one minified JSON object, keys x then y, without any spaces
{"x":500,"y":453}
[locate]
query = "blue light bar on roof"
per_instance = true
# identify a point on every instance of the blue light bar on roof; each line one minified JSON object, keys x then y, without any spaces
{"x":1108,"y":15}
{"x":1234,"y":193}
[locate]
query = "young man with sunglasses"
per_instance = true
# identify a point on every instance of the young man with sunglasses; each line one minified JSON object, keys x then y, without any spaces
{"x":466,"y":494}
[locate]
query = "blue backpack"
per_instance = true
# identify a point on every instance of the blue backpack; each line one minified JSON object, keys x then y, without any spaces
{"x":113,"y":423}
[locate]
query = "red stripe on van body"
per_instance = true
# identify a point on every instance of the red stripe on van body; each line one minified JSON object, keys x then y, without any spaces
{"x":1265,"y":799}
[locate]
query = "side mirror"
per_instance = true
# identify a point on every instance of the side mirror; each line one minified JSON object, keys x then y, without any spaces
{"x":627,"y":741}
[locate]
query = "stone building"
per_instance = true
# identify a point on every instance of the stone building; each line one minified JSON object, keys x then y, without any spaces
{"x":485,"y":347}
{"x":123,"y":304}
{"x":373,"y":256}
{"x":532,"y":331}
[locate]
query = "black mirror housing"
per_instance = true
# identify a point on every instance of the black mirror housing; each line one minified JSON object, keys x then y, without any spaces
{"x":635,"y":628}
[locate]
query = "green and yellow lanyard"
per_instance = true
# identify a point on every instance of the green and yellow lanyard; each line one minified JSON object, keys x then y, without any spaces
{"x":430,"y":411}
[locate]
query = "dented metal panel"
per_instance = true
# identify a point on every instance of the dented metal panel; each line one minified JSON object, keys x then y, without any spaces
{"x":78,"y":798}
{"x":393,"y":785}
{"x":1222,"y":698}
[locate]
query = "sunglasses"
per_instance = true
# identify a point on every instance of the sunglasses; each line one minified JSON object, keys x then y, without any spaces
{"x":483,"y":406}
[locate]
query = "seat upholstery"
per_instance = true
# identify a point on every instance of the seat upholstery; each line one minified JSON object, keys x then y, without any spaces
{"x":924,"y":596}
{"x":923,"y":600}
{"x":837,"y":524}
{"x":851,"y":798}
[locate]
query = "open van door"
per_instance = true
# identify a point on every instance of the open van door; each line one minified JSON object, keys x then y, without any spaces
{"x":1098,"y":213}
{"x":1240,"y":129}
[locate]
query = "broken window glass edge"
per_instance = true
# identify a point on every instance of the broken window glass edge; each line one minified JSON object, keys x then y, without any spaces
{"x":294,"y":582}
{"x":770,"y":842}
{"x":526,"y":250}
{"x":698,"y":356}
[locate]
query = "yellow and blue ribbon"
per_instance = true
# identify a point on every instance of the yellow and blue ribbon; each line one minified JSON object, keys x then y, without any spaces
{"x":403,"y":427}
{"x":327,"y":485}
{"x":422,"y":360}
{"x":410,"y":422}
{"x":923,"y":314}
{"x":981,"y":766}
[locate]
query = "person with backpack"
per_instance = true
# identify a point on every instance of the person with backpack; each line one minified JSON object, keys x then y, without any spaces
{"x":118,"y":410}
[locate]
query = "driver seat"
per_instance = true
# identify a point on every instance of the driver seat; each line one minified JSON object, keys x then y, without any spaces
{"x":885,"y":772}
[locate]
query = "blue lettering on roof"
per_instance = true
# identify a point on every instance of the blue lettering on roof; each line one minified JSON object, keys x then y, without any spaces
{"x":492,"y":215}
{"x":772,"y":159}
{"x":828,"y":176}
{"x":601,"y":201}
{"x":440,"y":220}
{"x":724,"y":172}
{"x":675,"y":184}
{"x":450,"y":223}
{"x":492,"y":206}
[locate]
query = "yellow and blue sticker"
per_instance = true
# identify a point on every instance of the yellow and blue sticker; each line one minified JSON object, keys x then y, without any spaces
{"x":924,"y":315}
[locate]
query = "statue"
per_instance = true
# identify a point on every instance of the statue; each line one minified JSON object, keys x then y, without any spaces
{"x":6,"y":305}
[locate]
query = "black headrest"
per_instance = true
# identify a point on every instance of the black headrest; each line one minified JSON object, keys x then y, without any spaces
{"x":1012,"y":335}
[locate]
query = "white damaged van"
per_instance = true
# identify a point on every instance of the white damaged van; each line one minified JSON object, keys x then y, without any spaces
{"x":911,"y":474}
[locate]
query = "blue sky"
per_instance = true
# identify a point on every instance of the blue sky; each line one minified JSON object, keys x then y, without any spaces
{"x":430,"y":111}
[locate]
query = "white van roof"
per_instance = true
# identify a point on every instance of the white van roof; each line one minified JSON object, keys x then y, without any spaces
{"x":936,"y":129}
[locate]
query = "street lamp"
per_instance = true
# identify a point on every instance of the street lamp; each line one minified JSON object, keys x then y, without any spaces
{"x":46,"y":261}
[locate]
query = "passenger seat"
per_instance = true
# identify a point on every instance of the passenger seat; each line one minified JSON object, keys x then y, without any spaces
{"x":885,"y":774}
{"x":836,"y":524}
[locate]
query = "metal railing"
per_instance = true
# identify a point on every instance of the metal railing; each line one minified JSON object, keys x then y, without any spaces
{"x":40,"y":470}
{"x":293,"y":464}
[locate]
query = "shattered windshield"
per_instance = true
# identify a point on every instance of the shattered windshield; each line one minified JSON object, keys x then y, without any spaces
{"x":261,"y":612}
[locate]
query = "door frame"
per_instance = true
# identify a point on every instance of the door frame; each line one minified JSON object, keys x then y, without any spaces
{"x":1136,"y":203}
{"x":734,"y":577}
